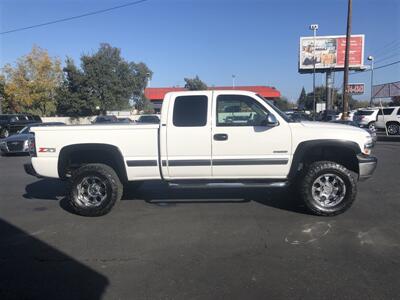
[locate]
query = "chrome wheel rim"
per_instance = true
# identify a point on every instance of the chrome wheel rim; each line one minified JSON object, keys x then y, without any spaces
{"x":392,"y":129}
{"x":372,"y":126}
{"x":328,"y":190}
{"x":91,"y":191}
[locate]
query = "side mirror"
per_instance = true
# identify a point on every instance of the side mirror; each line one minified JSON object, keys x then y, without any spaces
{"x":269,"y":121}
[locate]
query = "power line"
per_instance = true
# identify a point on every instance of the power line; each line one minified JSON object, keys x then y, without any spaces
{"x":379,"y":61}
{"x":74,"y":17}
{"x":386,"y":46}
{"x":376,"y":68}
{"x":387,"y":65}
{"x":394,"y":49}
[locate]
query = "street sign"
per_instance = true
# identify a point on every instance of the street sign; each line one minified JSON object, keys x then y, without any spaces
{"x":355,"y":88}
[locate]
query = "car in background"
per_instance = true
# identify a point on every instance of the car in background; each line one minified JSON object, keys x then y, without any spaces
{"x":105,"y":119}
{"x":18,"y":143}
{"x":329,"y":115}
{"x":389,"y":118}
{"x":366,"y":117}
{"x":11,"y":124}
{"x":148,"y":119}
{"x":298,"y":115}
{"x":372,"y":132}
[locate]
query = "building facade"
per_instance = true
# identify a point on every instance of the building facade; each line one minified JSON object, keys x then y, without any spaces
{"x":156,"y":95}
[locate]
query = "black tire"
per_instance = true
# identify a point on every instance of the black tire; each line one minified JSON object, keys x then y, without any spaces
{"x":4,"y":133}
{"x":371,"y":126}
{"x":107,"y":180}
{"x":393,"y":128}
{"x":313,"y":173}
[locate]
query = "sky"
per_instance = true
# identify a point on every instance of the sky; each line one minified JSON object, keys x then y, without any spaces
{"x":257,"y":41}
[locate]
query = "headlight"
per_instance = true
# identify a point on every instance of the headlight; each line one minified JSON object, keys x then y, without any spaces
{"x":368,"y":145}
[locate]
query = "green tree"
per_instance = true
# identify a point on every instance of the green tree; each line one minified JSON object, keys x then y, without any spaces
{"x":73,"y":96}
{"x":395,"y":101}
{"x":195,"y":84}
{"x":283,"y":103}
{"x":320,"y":96}
{"x":30,"y":85}
{"x":301,"y":102}
{"x":2,"y":93}
{"x":113,"y":80}
{"x":105,"y":80}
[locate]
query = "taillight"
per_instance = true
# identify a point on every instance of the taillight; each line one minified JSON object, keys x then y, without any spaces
{"x":32,"y":146}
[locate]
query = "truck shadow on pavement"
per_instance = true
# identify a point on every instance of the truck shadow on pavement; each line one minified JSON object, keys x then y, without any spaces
{"x":32,"y":269}
{"x":158,"y":193}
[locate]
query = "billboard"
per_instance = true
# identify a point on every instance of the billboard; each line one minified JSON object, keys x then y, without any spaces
{"x":355,"y":88}
{"x":330,"y":52}
{"x":386,"y":90}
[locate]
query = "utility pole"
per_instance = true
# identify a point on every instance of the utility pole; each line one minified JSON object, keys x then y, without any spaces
{"x":233,"y":80}
{"x":346,"y":63}
{"x":328,"y":90}
{"x":1,"y":95}
{"x":314,"y":28}
{"x":371,"y":58}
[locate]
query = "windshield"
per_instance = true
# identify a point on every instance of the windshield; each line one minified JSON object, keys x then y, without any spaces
{"x":24,"y":130}
{"x":365,"y":112}
{"x":278,"y":111}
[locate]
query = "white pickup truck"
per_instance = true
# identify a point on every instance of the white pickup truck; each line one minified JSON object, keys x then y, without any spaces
{"x":207,"y":139}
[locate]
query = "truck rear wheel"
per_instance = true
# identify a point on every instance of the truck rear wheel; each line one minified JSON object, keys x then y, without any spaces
{"x":328,"y":188}
{"x":94,"y":189}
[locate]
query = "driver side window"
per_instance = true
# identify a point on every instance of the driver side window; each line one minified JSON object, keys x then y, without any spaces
{"x":239,"y":110}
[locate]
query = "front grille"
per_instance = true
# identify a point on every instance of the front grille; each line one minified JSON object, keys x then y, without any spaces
{"x":15,"y":146}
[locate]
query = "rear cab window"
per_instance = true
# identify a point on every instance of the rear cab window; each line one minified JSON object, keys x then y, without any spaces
{"x":190,"y":111}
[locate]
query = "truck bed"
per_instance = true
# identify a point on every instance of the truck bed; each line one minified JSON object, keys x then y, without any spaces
{"x":135,"y":142}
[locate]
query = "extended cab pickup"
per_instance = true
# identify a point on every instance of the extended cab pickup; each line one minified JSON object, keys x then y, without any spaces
{"x":207,"y":139}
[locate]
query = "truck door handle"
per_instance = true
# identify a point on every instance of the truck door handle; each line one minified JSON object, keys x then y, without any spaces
{"x":220,"y":137}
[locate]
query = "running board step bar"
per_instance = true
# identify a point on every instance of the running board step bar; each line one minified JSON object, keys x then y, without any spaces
{"x":213,"y":185}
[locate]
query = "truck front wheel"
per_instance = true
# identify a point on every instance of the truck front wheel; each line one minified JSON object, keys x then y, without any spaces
{"x":94,"y":189}
{"x":328,"y":188}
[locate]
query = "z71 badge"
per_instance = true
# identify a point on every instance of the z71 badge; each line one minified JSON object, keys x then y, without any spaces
{"x":50,"y":150}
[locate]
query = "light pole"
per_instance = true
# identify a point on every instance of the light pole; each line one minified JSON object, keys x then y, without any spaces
{"x":148,"y":79}
{"x":233,"y":80}
{"x":346,"y":62}
{"x":314,"y":28}
{"x":371,"y":58}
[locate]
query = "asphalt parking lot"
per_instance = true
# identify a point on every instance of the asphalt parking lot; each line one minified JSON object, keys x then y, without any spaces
{"x":222,"y":244}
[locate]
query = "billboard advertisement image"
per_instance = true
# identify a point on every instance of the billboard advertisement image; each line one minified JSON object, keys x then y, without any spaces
{"x":329,"y":53}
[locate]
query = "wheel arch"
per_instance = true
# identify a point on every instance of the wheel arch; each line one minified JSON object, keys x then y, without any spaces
{"x":73,"y":156}
{"x":392,"y":122}
{"x":314,"y":150}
